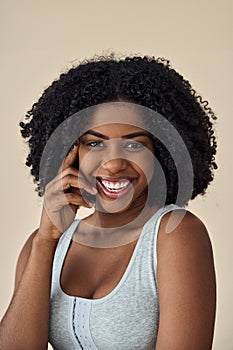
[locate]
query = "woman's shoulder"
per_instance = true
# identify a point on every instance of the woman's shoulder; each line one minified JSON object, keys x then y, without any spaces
{"x":183,"y":240}
{"x":181,"y":221}
{"x":181,"y":226}
{"x":186,"y":278}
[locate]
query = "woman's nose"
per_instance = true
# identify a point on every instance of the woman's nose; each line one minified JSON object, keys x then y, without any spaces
{"x":114,"y":165}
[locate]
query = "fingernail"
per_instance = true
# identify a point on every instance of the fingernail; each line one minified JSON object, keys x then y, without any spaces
{"x":94,"y":189}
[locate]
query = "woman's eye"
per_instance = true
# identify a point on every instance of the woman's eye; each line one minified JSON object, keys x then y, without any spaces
{"x":134,"y":146}
{"x":95,"y":144}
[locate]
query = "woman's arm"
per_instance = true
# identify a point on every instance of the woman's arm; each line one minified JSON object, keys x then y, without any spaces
{"x":25,"y":324}
{"x":186,"y":285}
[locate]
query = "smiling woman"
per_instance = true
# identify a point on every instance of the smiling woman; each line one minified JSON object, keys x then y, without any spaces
{"x":118,"y":159}
{"x":127,"y":138}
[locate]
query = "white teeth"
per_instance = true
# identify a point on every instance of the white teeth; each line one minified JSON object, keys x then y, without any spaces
{"x":115,"y":186}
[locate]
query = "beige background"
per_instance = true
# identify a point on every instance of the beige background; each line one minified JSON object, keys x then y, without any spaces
{"x":41,"y":39}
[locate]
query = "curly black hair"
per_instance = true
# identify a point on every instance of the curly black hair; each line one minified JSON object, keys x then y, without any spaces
{"x":146,"y":81}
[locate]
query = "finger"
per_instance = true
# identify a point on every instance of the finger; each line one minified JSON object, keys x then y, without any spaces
{"x":68,"y":171}
{"x":79,"y":182}
{"x":73,"y":199}
{"x":71,"y":181}
{"x":70,"y":158}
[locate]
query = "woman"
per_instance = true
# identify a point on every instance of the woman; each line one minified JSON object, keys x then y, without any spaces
{"x":131,"y":139}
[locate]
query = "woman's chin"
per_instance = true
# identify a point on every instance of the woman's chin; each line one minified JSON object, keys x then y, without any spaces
{"x":114,"y":205}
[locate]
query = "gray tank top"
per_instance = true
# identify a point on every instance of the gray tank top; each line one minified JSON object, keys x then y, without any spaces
{"x":127,"y":318}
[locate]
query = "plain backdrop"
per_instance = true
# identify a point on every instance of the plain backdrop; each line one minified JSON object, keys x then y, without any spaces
{"x":41,"y":39}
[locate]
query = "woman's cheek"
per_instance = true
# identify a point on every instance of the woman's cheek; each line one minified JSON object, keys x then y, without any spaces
{"x":89,"y":162}
{"x":145,"y":164}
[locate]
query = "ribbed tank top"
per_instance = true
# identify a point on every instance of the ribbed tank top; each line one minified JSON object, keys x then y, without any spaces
{"x":125,"y":319}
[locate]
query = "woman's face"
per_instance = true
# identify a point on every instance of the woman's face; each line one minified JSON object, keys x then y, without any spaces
{"x":117,"y":158}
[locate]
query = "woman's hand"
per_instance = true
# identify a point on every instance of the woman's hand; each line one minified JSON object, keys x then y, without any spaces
{"x":62,"y":198}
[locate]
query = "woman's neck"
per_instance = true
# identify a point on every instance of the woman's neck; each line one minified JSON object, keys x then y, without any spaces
{"x":133,"y":217}
{"x":108,"y":230}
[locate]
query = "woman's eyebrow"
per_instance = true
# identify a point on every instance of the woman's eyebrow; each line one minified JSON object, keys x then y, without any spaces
{"x":97,"y":134}
{"x":128,"y":136}
{"x":136,"y":134}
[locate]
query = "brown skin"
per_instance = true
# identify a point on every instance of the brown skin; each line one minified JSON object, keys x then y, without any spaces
{"x":29,"y":307}
{"x":185,"y":272}
{"x":187,"y":286}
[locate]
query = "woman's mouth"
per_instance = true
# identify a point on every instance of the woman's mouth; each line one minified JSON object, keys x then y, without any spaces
{"x":115,"y":187}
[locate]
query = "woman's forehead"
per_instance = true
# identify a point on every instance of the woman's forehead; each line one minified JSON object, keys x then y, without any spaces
{"x":116,"y":130}
{"x":116,"y":114}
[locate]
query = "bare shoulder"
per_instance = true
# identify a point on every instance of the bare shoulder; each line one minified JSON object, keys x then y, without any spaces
{"x":181,"y":225}
{"x":183,"y":240}
{"x":23,"y":257}
{"x":186,"y":283}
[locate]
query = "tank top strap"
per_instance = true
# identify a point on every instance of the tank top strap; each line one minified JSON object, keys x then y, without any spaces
{"x":61,"y":250}
{"x":162,"y":211}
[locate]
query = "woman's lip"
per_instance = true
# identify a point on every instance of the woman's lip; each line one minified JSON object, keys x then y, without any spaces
{"x":115,"y":179}
{"x":119,"y":193}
